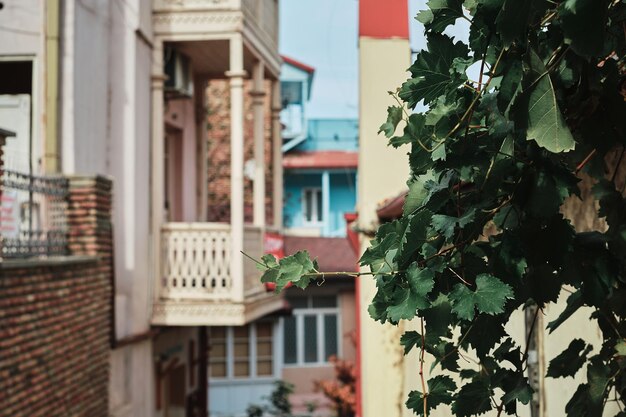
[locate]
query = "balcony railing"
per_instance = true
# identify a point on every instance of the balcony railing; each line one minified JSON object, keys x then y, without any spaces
{"x":196,"y":262}
{"x":33,"y":215}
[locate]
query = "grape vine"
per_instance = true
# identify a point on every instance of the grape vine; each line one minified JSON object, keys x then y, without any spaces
{"x":483,"y":234}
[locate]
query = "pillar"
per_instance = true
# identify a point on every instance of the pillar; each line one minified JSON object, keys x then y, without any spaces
{"x":258,"y":108}
{"x":157,"y":161}
{"x":236,"y":74}
{"x":326,"y":202}
{"x":277,"y":156}
{"x":384,"y":55}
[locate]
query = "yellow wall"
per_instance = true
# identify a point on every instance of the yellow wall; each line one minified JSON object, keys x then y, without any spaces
{"x":383,"y":172}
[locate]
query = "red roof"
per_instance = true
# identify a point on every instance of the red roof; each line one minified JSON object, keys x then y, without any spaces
{"x":391,"y":208}
{"x":334,"y":254}
{"x":298,"y":64}
{"x":321,"y":159}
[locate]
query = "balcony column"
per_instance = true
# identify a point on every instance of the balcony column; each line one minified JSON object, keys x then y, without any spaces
{"x":258,"y":107}
{"x":326,"y":203}
{"x":236,"y":75}
{"x":157,"y":162}
{"x":277,"y":157}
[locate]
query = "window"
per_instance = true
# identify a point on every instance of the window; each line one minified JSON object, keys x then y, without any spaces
{"x":241,"y":351}
{"x":312,"y":205}
{"x":311,"y":334}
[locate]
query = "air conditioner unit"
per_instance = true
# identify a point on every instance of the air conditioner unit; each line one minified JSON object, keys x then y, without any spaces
{"x":177,"y":68}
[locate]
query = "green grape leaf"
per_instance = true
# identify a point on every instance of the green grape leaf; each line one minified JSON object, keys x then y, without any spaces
{"x":410,"y":340}
{"x":512,"y":20}
{"x":489,"y":298}
{"x":472,"y":399}
{"x":413,"y":132}
{"x":546,"y":124}
{"x":440,"y":391}
{"x":432,"y":74}
{"x":440,"y":14}
{"x":394,"y":116}
{"x":407,"y":301}
{"x":297,"y":269}
{"x":583,"y":23}
{"x":491,"y":294}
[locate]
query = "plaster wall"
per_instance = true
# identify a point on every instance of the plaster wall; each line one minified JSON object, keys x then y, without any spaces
{"x":105,"y":128}
{"x":383,"y":173}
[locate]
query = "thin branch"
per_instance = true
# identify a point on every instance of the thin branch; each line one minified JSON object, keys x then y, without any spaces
{"x":424,"y":393}
{"x":585,"y":161}
{"x":459,"y":277}
{"x":530,"y":333}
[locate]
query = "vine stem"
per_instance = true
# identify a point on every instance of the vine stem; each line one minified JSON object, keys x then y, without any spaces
{"x":473,"y":103}
{"x":585,"y":161}
{"x":425,"y":394}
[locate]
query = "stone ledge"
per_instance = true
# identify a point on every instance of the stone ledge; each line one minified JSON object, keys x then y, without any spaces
{"x":48,"y":261}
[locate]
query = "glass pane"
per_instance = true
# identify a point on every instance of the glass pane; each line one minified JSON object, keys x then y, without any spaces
{"x":242,"y":368}
{"x":330,"y":335}
{"x":297,"y":302}
{"x":241,"y":331}
{"x":218,"y":350}
{"x":289,"y":340}
{"x":308,"y":205}
{"x":264,"y":329}
{"x":264,"y":348}
{"x":310,"y":339}
{"x":325,"y":301}
{"x":218,"y":370}
{"x":242,"y":349}
{"x":320,"y":209}
{"x":217,"y":333}
{"x":264,"y":368}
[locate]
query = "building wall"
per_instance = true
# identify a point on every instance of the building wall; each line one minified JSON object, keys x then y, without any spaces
{"x":105,"y":128}
{"x":331,"y":135}
{"x":342,"y":200}
{"x":218,"y":119}
{"x":55,"y":336}
{"x":382,"y":357}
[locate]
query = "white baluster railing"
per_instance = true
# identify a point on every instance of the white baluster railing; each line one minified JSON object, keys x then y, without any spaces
{"x":196,"y":261}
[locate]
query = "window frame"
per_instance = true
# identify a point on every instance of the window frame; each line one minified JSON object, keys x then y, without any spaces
{"x":319,"y":313}
{"x":317,"y":217}
{"x":252,"y":356}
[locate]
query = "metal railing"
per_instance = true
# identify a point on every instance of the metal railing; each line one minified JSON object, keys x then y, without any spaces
{"x":33,"y":215}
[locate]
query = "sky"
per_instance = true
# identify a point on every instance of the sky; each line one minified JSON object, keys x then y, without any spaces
{"x":324,"y":35}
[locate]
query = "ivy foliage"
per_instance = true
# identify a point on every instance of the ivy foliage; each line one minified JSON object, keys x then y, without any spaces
{"x":493,"y":160}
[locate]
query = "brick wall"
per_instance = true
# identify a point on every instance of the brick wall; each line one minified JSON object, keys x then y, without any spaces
{"x":55,"y":318}
{"x":218,"y":100}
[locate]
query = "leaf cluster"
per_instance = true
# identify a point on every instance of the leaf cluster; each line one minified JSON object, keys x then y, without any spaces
{"x":493,"y":161}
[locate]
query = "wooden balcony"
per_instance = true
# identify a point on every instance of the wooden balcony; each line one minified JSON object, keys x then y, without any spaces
{"x":196,"y":287}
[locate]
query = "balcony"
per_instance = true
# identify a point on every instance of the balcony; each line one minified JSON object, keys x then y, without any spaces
{"x":197,"y":285}
{"x":213,"y":21}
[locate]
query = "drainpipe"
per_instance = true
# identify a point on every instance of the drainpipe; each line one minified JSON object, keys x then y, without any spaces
{"x":353,"y":238}
{"x":52,"y":30}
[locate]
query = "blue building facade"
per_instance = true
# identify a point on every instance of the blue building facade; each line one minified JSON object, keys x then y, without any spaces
{"x":320,"y":159}
{"x":320,"y":179}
